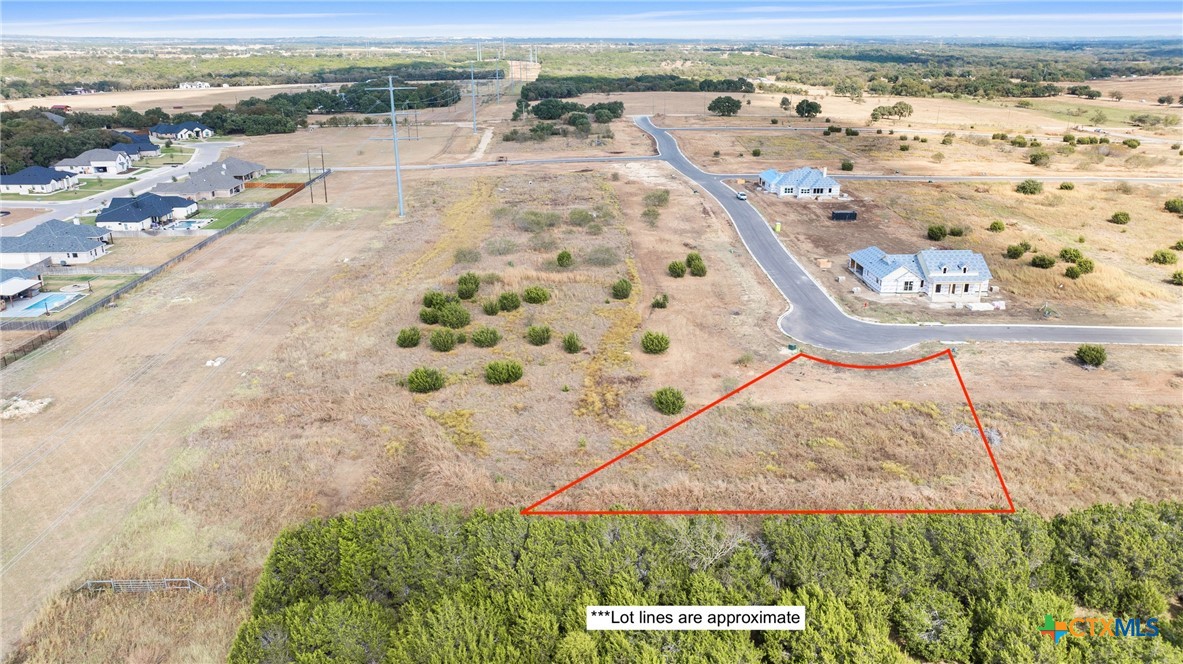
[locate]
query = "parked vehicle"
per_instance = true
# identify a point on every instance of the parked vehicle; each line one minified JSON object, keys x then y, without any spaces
{"x":743,"y":196}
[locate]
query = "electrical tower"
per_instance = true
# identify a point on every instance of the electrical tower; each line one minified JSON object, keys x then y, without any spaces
{"x":398,"y":173}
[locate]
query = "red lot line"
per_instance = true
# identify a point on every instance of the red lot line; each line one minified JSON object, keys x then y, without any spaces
{"x":533,"y":510}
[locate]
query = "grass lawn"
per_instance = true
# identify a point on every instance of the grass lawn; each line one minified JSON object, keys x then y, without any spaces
{"x":167,"y":156}
{"x":100,"y":286}
{"x":223,"y":218}
{"x":86,"y":187}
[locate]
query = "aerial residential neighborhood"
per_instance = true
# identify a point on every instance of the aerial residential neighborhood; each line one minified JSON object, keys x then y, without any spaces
{"x":591,"y":332}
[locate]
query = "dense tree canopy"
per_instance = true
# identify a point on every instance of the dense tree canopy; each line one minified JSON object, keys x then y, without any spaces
{"x":725,"y":106}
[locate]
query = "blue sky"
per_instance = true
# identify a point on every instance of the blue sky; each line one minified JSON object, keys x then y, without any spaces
{"x":687,"y":19}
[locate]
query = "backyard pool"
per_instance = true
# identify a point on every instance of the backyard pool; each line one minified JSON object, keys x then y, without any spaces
{"x":189,"y":225}
{"x":40,"y":305}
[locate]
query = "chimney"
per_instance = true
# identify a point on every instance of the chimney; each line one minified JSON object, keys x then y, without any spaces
{"x":824,"y":171}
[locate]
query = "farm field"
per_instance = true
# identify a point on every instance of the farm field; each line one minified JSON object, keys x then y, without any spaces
{"x":173,"y":100}
{"x":1126,"y":287}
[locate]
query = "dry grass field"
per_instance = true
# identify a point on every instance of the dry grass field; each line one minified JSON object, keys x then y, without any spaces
{"x":144,"y":251}
{"x":1126,"y":287}
{"x":172,"y":101}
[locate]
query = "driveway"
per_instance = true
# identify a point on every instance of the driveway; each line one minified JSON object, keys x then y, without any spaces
{"x":816,"y":319}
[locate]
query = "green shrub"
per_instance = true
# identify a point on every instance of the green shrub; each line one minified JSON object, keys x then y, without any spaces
{"x":851,"y":132}
{"x":571,"y":343}
{"x":1029,"y":187}
{"x":502,"y":372}
{"x":957,"y":231}
{"x":424,"y":380}
{"x":538,"y":335}
{"x":847,"y":165}
{"x":1091,"y":354}
{"x":905,"y":148}
{"x":655,"y":343}
{"x":501,"y":246}
{"x":1177,"y":278}
{"x":1164,"y":257}
{"x":695,"y":264}
{"x":1019,"y":141}
{"x":461,"y":338}
{"x":454,"y":315}
{"x":1043,"y":261}
{"x":490,"y":307}
{"x":1039,"y":158}
{"x":659,"y":198}
{"x":467,"y":286}
{"x":508,"y":301}
{"x":443,"y":340}
{"x":1070,"y":255}
{"x":1178,"y":246}
{"x":1131,"y":143}
{"x":429,"y":316}
{"x":757,"y":152}
{"x":661,"y":301}
{"x":650,"y":216}
{"x":669,"y":401}
{"x":677,"y":269}
{"x":434,"y":299}
{"x":1174,"y":205}
{"x":1072,"y":272}
{"x":937,"y":232}
{"x":622,"y":289}
{"x":775,"y":121}
{"x":466,"y":255}
{"x":485,"y":337}
{"x":602,"y":257}
{"x":1015,"y":251}
{"x":564,"y":259}
{"x":408,"y":337}
{"x":996,"y":227}
{"x":933,"y":625}
{"x":1120,"y":218}
{"x":1067,"y":186}
{"x":1085,"y":265}
{"x":580,"y":217}
{"x":536,"y":295}
{"x":594,"y":229}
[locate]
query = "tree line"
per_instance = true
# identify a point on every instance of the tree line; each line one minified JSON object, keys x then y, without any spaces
{"x":433,"y":584}
{"x":562,"y":87}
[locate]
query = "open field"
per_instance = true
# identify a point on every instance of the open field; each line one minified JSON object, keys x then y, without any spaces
{"x":145,"y":251}
{"x":17,"y":215}
{"x":1125,"y":289}
{"x":172,"y":101}
{"x":356,"y":146}
{"x":313,"y":421}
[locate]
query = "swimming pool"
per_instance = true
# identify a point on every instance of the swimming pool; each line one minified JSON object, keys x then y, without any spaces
{"x":191,"y":224}
{"x":37,"y":306}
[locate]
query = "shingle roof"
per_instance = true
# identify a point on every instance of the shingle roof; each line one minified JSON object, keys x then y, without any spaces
{"x":191,"y":125}
{"x":55,"y":236}
{"x":238,"y":168}
{"x":809,"y":178}
{"x":926,"y":264}
{"x":36,"y":175}
{"x":139,"y":208}
{"x":7,"y":273}
{"x":138,"y":138}
{"x":208,"y":179}
{"x":126,"y":148}
{"x":89,"y":157}
{"x":879,"y":264}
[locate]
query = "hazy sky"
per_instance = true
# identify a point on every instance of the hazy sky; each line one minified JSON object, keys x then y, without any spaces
{"x":687,"y":19}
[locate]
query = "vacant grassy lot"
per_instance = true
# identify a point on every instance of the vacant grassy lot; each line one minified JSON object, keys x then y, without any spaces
{"x":223,"y":218}
{"x":1125,"y":287}
{"x":144,"y":251}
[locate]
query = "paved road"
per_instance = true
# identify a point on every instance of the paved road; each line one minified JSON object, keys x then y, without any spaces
{"x":203,"y":155}
{"x":814,"y":318}
{"x":969,"y":178}
{"x":511,"y":162}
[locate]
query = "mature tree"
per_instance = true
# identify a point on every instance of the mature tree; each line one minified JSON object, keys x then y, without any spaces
{"x":725,"y":106}
{"x":1117,"y":95}
{"x":1166,"y":100}
{"x":808,"y":109}
{"x":849,"y":87}
{"x":785,"y":103}
{"x":1099,"y":117}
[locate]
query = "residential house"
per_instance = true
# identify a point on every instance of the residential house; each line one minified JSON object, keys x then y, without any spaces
{"x":143,"y":212}
{"x":800,"y":183}
{"x":241,"y":169}
{"x":96,"y":162}
{"x":944,"y":275}
{"x":17,"y":284}
{"x":202,"y":184}
{"x":62,"y":243}
{"x":37,"y":180}
{"x":193,"y":85}
{"x":132,"y":150}
{"x":185,"y":131}
{"x":143,"y":142}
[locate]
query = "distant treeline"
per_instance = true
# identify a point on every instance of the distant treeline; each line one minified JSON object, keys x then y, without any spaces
{"x":572,"y":86}
{"x":433,"y":585}
{"x":30,"y":139}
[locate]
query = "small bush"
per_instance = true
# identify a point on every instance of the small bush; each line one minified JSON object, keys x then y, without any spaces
{"x":490,"y":307}
{"x":580,"y":217}
{"x":775,"y":121}
{"x":1040,"y":158}
{"x":602,"y":257}
{"x":1043,"y":261}
{"x":655,"y":343}
{"x":466,"y":255}
{"x":851,"y":132}
{"x":1131,"y":143}
{"x":661,"y":301}
{"x":1178,"y":246}
{"x":677,"y":269}
{"x":757,"y":152}
{"x":571,"y":343}
{"x":1067,"y":186}
{"x":1029,"y":187}
{"x":1072,"y":272}
{"x":1174,"y":205}
{"x":695,"y":264}
{"x":1177,"y":278}
{"x":937,"y":232}
{"x":1085,"y":265}
{"x":669,"y":401}
{"x":716,"y":153}
{"x":659,"y":198}
{"x":536,"y":295}
{"x":1164,"y":257}
{"x":594,"y":229}
{"x":1015,"y":251}
{"x":564,"y":259}
{"x":1019,"y":142}
{"x":543,"y":242}
{"x":905,"y":148}
{"x":424,"y":380}
{"x":622,"y":289}
{"x":538,"y":335}
{"x":443,"y":340}
{"x":957,"y":231}
{"x":1070,"y":255}
{"x":996,"y":227}
{"x":408,"y":337}
{"x":467,"y":286}
{"x":650,"y":216}
{"x":434,"y":299}
{"x":454,"y":315}
{"x":847,"y":165}
{"x":502,"y":372}
{"x":1091,"y":354}
{"x":1120,"y":218}
{"x":429,"y":316}
{"x":501,"y":246}
{"x":485,"y":337}
{"x":508,"y":301}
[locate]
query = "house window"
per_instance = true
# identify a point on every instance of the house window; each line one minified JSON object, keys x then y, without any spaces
{"x":908,"y":286}
{"x":964,"y":270}
{"x":966,"y":288}
{"x":73,"y":255}
{"x":944,"y":270}
{"x":938,"y":288}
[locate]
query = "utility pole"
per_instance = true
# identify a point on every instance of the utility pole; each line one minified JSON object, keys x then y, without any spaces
{"x":308,"y":157}
{"x":324,"y":178}
{"x":398,"y":172}
{"x":472,"y":81}
{"x":498,"y":81}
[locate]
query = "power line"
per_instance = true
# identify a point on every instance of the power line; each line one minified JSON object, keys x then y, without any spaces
{"x":398,"y":172}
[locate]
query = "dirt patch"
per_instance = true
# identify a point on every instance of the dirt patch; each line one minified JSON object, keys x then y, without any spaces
{"x":17,"y":215}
